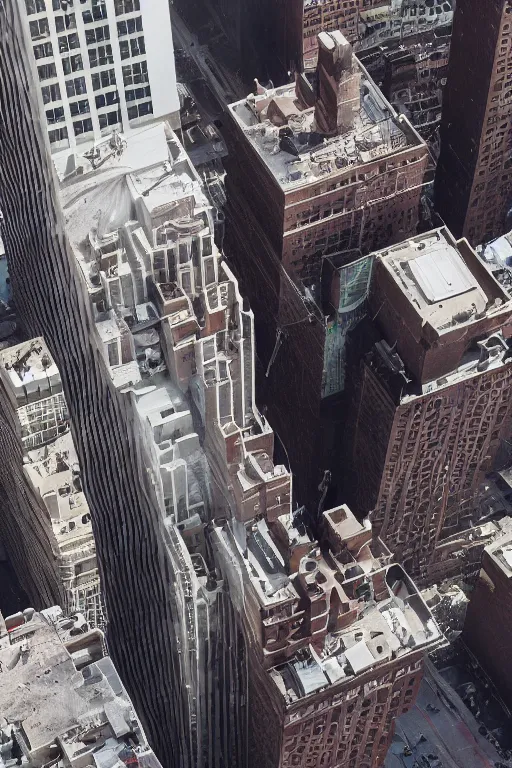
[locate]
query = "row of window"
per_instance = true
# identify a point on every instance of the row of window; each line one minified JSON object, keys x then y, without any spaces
{"x":97,"y":35}
{"x":77,"y":87}
{"x":65,"y":22}
{"x":126,"y":6}
{"x":100,"y":56}
{"x":83,"y":126}
{"x":134,"y":74}
{"x":131,"y":48}
{"x":129,"y":27}
{"x":97,"y":13}
{"x":121,"y":7}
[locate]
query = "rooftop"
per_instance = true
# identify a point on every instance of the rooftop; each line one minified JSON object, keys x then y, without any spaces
{"x":29,"y":373}
{"x":500,"y":550}
{"x":398,"y":623}
{"x":308,"y":157}
{"x":122,"y":179}
{"x":437,"y":280}
{"x":57,"y":707}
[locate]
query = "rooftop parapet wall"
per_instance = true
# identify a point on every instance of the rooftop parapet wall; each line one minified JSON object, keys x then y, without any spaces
{"x":434,"y":298}
{"x":308,"y":598}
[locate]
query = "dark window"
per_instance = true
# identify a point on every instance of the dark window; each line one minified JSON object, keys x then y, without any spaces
{"x":107,"y":99}
{"x":98,"y":13}
{"x":46,"y":71}
{"x":110,"y":118}
{"x":129,"y":27}
{"x":68,"y":42}
{"x":79,"y":108}
{"x":125,"y":49}
{"x":50,"y":93}
{"x":126,"y":6}
{"x":39,"y":29}
{"x":34,"y":6}
{"x":65,"y":22}
{"x":59,"y":134}
{"x":137,"y":46}
{"x":97,"y":35}
{"x":134,"y":74}
{"x":72,"y":64}
{"x":140,"y":110}
{"x":43,"y":50}
{"x":76,"y":87}
{"x":103,"y":79}
{"x":135,"y":94}
{"x":101,"y":56}
{"x":55,"y":115}
{"x":82,"y":126}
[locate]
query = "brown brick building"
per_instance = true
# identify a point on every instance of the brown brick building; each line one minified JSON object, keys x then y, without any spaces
{"x":336,"y":638}
{"x":431,"y":403}
{"x":313,"y":177}
{"x":473,"y":191}
{"x":489,"y":614}
{"x":370,"y":22}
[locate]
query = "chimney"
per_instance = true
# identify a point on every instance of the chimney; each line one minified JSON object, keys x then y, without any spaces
{"x":338,"y":97}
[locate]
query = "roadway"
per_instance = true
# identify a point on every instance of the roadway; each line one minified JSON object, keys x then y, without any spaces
{"x":440,"y":732}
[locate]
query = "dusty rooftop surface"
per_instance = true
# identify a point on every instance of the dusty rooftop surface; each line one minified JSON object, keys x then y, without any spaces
{"x":28,"y":362}
{"x":431,"y":271}
{"x":123,"y":178}
{"x":57,"y":703}
{"x":377,"y":133}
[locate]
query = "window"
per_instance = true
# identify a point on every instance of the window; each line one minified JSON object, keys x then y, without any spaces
{"x":50,"y":93}
{"x":39,"y":29}
{"x":107,"y":99}
{"x":138,"y":93}
{"x":82,"y":126}
{"x":68,"y":42}
{"x":126,"y":6}
{"x":72,"y":64}
{"x":76,"y":87}
{"x":129,"y":27}
{"x":109,"y":118}
{"x":34,"y":6}
{"x":98,"y":13}
{"x":55,"y":115}
{"x":61,"y":5}
{"x":59,"y":134}
{"x":97,"y":35}
{"x":46,"y":71}
{"x":100,"y":56}
{"x":133,"y":74}
{"x":43,"y":50}
{"x":79,"y":108}
{"x":133,"y":47}
{"x":65,"y":22}
{"x":103,"y":79}
{"x":140,"y":110}
{"x":138,"y":46}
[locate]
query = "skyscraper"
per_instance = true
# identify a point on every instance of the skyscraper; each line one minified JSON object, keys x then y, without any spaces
{"x":336,"y":636}
{"x":431,"y":403}
{"x":101,"y":66}
{"x":473,"y":189}
{"x":45,"y":519}
{"x":316,"y":179}
{"x":135,"y":566}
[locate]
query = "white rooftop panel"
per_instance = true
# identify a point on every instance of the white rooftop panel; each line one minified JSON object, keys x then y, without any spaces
{"x":359,"y":657}
{"x":441,"y":274}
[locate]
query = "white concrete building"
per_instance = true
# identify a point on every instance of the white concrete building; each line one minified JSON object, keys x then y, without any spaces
{"x":101,"y":65}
